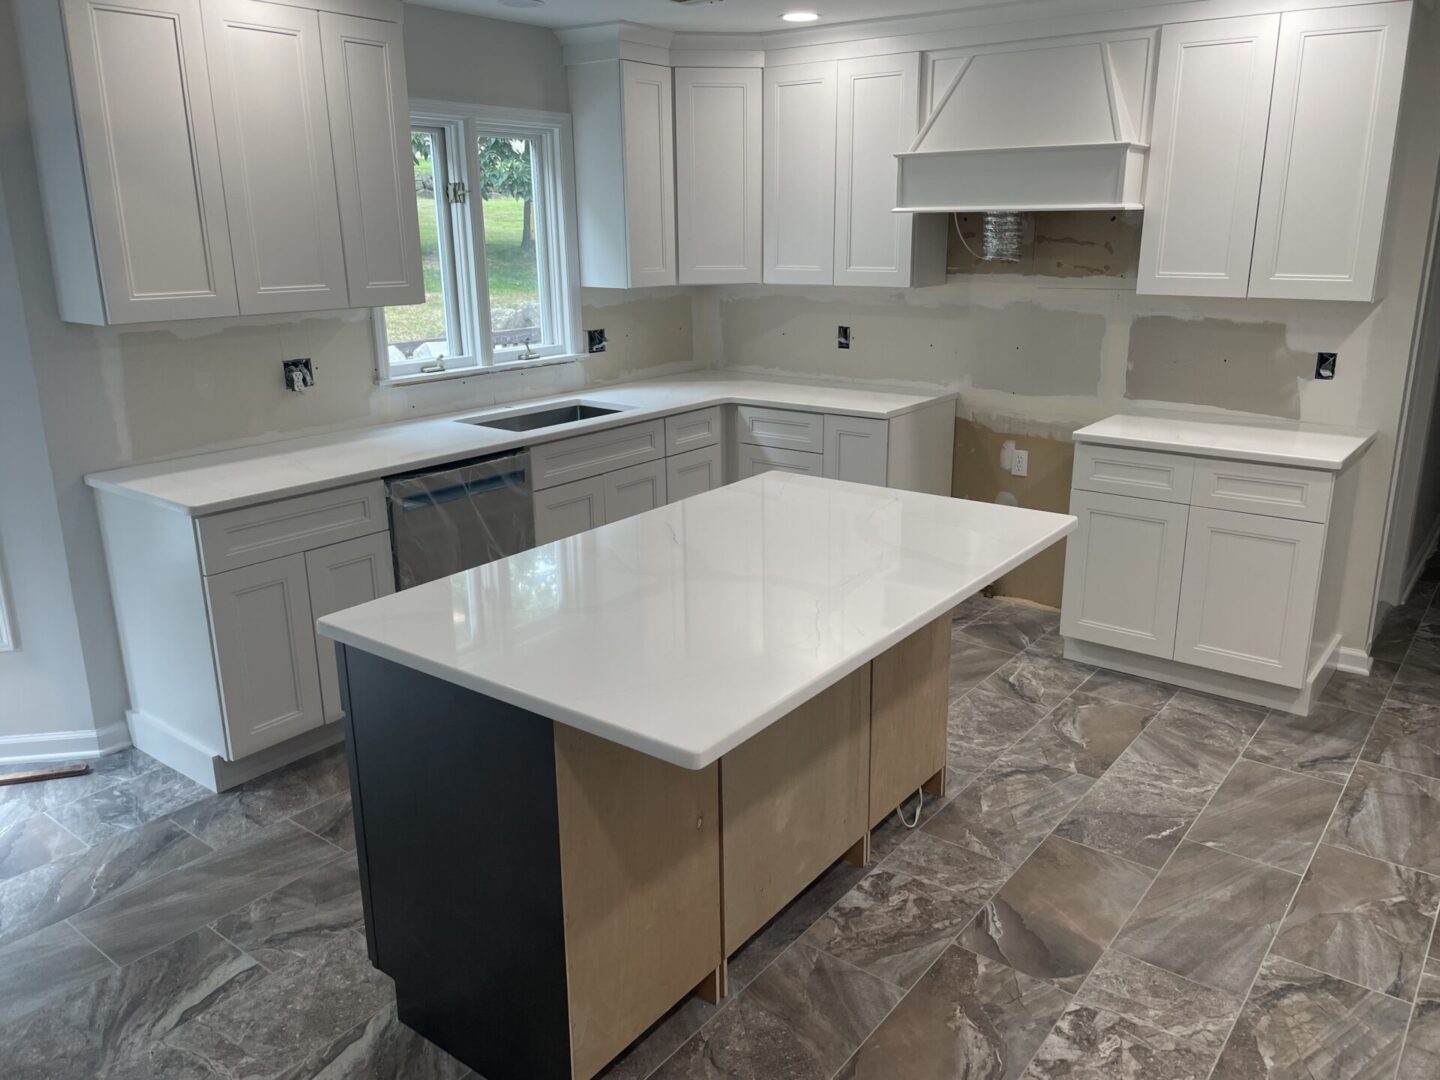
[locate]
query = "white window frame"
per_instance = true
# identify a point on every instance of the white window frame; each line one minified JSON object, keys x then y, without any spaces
{"x":556,"y":244}
{"x":8,"y":642}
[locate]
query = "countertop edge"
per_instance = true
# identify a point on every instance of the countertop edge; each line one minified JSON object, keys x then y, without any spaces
{"x":1300,"y":461}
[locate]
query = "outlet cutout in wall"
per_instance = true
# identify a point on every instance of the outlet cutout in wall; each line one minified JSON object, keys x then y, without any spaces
{"x":595,"y":340}
{"x":299,"y":374}
{"x":1325,"y":365}
{"x":842,"y":338}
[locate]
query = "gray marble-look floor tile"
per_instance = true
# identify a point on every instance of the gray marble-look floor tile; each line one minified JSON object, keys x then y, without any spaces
{"x":1267,"y":814}
{"x":1094,"y":1044}
{"x":1042,"y":680}
{"x":23,"y":800}
{"x":1418,"y":680}
{"x":382,"y":1048}
{"x":973,"y":877}
{"x":893,"y":831}
{"x":971,"y":608}
{"x":1325,"y":744}
{"x":1397,"y":630}
{"x":236,"y":815}
{"x":1083,"y":734}
{"x":128,"y":805}
{"x":992,"y":716}
{"x":1054,"y":918}
{"x":1198,"y":1015}
{"x":891,"y":925}
{"x":1012,"y":625}
{"x":1360,"y":693}
{"x":1390,"y":815}
{"x":1225,"y":725}
{"x":44,"y":966}
{"x":1406,"y":737}
{"x":150,"y":915}
{"x":101,"y":1028}
{"x":968,"y":1017}
{"x":971,"y":662}
{"x":1008,"y":811}
{"x":1362,"y":920}
{"x":1141,"y":808}
{"x":297,"y":919}
{"x":1299,"y":1024}
{"x":1421,"y":1059}
{"x":1210,"y":917}
{"x":70,"y":885}
{"x":32,"y":842}
{"x":1129,"y":689}
{"x":666,"y":1036}
{"x":801,"y":1019}
{"x":331,"y":820}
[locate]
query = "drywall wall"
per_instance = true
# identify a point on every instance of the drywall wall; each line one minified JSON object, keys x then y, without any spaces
{"x":455,"y":57}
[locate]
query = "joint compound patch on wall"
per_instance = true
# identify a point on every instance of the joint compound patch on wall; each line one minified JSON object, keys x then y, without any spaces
{"x":1248,"y":367}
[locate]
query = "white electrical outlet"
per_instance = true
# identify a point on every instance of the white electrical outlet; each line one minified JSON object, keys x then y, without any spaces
{"x":1019,"y":462}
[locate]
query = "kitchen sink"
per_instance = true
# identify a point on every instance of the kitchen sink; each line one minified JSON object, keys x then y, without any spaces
{"x":544,"y":418}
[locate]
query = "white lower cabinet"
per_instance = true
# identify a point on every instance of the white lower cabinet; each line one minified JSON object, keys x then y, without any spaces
{"x":856,"y":449}
{"x":1123,"y":572}
{"x":634,"y":490}
{"x":694,"y":473}
{"x":754,"y":460}
{"x":569,"y":509}
{"x":343,"y":576}
{"x":1247,"y":602}
{"x":265,"y":653}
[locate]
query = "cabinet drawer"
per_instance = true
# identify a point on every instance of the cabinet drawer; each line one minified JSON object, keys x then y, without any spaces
{"x":783,"y":428}
{"x":754,"y":460}
{"x":268,"y":531}
{"x":1273,"y":490}
{"x":585,"y":456}
{"x":694,"y":473}
{"x":569,"y":509}
{"x":634,"y":490}
{"x":692,"y":430}
{"x":1142,"y":473}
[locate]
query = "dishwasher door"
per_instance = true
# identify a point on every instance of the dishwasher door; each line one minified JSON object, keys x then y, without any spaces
{"x":444,"y":522}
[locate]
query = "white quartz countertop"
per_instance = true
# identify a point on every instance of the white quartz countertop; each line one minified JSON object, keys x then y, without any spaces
{"x":225,"y":480}
{"x":686,"y":630}
{"x":1303,"y":446}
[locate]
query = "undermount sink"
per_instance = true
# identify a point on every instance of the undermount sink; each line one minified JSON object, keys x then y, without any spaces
{"x":545,"y":418}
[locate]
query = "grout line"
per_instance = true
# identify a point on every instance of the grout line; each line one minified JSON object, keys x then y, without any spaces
{"x":85,"y":845}
{"x":92,"y":944}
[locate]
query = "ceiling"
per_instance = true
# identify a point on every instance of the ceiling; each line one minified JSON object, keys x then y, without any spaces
{"x":724,"y":16}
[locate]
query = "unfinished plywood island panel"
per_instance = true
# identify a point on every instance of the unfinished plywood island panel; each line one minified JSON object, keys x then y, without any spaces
{"x":909,"y":697}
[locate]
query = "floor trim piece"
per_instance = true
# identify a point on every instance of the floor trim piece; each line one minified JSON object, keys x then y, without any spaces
{"x":82,"y":744}
{"x":1355,"y":661}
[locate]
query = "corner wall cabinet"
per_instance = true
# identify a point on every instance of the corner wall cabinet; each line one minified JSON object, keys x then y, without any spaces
{"x":163,"y":130}
{"x":1207,"y":571}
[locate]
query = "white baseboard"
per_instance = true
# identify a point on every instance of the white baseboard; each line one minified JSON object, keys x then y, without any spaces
{"x":172,"y":747}
{"x":1354,"y":661}
{"x":64,"y":745}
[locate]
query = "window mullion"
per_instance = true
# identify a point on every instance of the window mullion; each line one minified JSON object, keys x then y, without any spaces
{"x":485,"y":350}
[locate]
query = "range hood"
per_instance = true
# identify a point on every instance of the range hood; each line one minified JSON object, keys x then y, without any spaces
{"x":1036,"y":127}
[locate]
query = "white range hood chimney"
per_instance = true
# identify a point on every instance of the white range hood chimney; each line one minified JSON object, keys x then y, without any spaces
{"x":1052,"y":126}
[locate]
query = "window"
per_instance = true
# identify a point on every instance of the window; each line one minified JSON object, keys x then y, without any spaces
{"x":493,"y":191}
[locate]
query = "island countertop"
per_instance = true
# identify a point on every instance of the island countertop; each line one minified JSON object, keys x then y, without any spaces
{"x":684,"y":631}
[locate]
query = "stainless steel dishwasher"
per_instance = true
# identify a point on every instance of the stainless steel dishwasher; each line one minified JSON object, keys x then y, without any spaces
{"x":462,"y":516}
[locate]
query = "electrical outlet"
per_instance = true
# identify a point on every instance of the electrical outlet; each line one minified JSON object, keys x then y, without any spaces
{"x":596,"y":341}
{"x":1325,"y":365}
{"x":299,"y":375}
{"x":1020,"y":462}
{"x":842,"y":338}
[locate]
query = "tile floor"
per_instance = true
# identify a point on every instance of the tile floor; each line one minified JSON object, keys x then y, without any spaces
{"x":1125,"y":880}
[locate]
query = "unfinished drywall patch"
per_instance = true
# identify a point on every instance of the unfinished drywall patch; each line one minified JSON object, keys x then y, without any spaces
{"x":1247,"y":367}
{"x":1028,"y":349}
{"x":1066,"y":244}
{"x":644,"y":329}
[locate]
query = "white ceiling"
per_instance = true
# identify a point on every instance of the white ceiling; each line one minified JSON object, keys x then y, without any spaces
{"x":724,"y":16}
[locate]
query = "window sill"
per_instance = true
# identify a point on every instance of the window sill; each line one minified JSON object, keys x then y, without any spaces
{"x":477,"y":372}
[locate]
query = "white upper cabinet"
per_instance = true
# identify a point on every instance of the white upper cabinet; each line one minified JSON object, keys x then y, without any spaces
{"x":374,"y":167}
{"x":138,"y":232}
{"x":718,"y":174}
{"x":624,"y":173}
{"x":1327,"y":161}
{"x":878,"y":115}
{"x":273,"y":126}
{"x":800,"y":113}
{"x":1207,"y":147}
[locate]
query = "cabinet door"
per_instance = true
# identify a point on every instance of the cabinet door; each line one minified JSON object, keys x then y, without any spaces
{"x":1122,"y":572}
{"x":1207,"y":146}
{"x":649,"y":120}
{"x":1327,"y":158}
{"x":878,"y":116}
{"x":754,"y":460}
{"x":800,"y":174}
{"x":694,"y":473}
{"x":634,"y":490}
{"x":569,"y":509}
{"x":1247,"y":604}
{"x":717,"y":174}
{"x":374,"y":169}
{"x":265,"y":653}
{"x":142,"y":96}
{"x":273,"y":127}
{"x":857,"y":449}
{"x":342,"y":576}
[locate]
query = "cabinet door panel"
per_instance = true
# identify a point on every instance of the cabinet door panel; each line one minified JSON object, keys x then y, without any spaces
{"x":649,"y":110}
{"x":342,"y":576}
{"x":878,"y":115}
{"x":694,"y":473}
{"x":374,"y":169}
{"x":265,"y":653}
{"x":1327,"y":159}
{"x":1248,"y":601}
{"x":142,"y":95}
{"x":856,"y":449}
{"x":1212,"y":105}
{"x":800,"y":106}
{"x":1122,"y":572}
{"x":273,"y":127}
{"x":569,"y":509}
{"x":634,"y":490}
{"x":717,"y":174}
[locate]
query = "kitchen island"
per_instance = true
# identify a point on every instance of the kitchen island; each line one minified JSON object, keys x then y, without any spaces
{"x":647,"y":738}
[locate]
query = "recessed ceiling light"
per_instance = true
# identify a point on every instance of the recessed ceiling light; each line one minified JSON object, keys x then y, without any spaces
{"x":800,"y":16}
